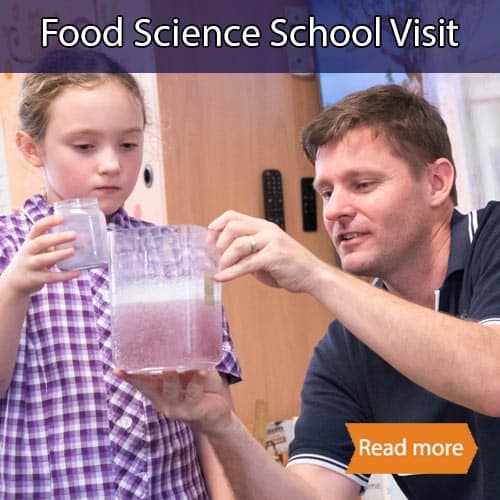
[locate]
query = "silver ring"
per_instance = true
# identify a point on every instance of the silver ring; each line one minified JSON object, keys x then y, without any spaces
{"x":253,"y":244}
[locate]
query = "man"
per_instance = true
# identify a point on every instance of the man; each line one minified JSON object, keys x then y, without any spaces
{"x":422,"y":345}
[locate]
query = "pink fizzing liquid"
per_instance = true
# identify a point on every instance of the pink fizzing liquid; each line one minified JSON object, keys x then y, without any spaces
{"x":157,"y":334}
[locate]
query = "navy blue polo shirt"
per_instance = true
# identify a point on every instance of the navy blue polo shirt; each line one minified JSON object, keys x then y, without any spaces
{"x":348,"y":382}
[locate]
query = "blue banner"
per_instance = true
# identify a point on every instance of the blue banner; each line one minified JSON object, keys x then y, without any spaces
{"x":270,"y":36}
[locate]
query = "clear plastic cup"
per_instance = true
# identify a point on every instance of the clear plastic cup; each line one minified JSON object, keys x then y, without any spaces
{"x":85,"y":218}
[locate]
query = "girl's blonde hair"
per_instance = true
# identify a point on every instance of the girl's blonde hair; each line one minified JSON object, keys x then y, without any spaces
{"x":50,"y":79}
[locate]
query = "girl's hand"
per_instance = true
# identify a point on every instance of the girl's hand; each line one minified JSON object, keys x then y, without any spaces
{"x":30,"y":269}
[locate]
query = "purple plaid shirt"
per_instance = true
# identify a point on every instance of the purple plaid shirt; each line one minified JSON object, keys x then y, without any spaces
{"x":68,"y":427}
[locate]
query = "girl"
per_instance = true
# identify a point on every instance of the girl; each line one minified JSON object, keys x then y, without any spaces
{"x":69,"y":428}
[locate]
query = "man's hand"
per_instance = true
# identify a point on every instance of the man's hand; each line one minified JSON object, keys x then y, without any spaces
{"x":195,"y":397}
{"x":251,"y":245}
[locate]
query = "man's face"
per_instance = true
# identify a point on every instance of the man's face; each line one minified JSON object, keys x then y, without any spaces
{"x":375,"y":211}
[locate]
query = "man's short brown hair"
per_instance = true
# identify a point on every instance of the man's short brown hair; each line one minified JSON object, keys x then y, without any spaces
{"x":412,"y":127}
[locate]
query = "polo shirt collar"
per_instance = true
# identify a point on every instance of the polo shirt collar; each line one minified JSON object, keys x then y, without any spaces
{"x":460,"y":242}
{"x":447,"y":298}
{"x":461,"y":230}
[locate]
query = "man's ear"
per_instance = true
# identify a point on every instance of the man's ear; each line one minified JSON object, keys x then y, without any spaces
{"x":29,"y":148}
{"x":441,"y":174}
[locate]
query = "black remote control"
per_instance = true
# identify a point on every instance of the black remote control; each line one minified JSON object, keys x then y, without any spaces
{"x":273,"y":197}
{"x":308,"y":195}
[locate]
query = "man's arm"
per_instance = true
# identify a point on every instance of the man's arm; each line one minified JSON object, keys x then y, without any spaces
{"x":254,"y":475}
{"x":453,"y":358}
{"x":198,"y":399}
{"x":217,"y":482}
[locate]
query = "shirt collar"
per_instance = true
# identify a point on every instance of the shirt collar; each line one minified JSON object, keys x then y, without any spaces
{"x":36,"y":207}
{"x":459,"y":244}
{"x":120,"y":219}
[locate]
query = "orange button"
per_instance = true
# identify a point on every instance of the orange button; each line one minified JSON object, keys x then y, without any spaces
{"x":411,"y":448}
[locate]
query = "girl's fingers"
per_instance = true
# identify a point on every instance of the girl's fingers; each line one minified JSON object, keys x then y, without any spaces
{"x":43,"y":225}
{"x":42,"y":243}
{"x":51,"y":277}
{"x":46,"y":260}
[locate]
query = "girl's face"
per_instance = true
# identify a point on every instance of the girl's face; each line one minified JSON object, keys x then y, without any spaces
{"x":93,"y":144}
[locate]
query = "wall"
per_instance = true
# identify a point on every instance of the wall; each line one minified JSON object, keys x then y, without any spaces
{"x":22,"y":178}
{"x":470,"y":106}
{"x":219,"y":132}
